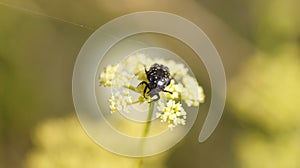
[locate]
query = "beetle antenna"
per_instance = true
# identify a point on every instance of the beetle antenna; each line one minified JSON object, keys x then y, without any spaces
{"x":173,"y":78}
{"x":145,"y":69}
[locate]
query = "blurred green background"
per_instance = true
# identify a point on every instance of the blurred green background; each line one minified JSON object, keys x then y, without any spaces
{"x":259,"y":44}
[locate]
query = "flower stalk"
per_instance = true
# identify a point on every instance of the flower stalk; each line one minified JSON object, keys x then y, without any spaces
{"x":148,"y":122}
{"x":146,"y":131}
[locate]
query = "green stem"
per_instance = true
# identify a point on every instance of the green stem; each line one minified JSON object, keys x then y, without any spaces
{"x":146,"y":131}
{"x":150,"y":113}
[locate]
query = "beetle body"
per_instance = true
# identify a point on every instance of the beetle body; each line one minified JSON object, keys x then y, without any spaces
{"x":159,"y":78}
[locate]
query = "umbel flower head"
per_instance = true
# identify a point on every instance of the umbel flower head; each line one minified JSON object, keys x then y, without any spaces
{"x":181,"y":88}
{"x":172,"y":113}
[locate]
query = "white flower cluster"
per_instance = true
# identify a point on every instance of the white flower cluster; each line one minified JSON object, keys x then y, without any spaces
{"x":108,"y":75}
{"x":114,"y":76}
{"x":192,"y":93}
{"x":119,"y":101}
{"x":183,"y":87}
{"x":172,"y":113}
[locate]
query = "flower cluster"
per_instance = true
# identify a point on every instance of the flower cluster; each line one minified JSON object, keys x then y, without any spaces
{"x":192,"y":93}
{"x":108,"y":75}
{"x":172,"y":113}
{"x":273,"y":140}
{"x":119,"y":102}
{"x":112,"y":76}
{"x":56,"y":140}
{"x":129,"y":73}
{"x":176,"y":89}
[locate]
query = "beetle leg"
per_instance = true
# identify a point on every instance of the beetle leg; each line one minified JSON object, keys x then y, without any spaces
{"x":167,"y":91}
{"x":143,"y":82}
{"x":145,"y":69}
{"x":145,"y":89}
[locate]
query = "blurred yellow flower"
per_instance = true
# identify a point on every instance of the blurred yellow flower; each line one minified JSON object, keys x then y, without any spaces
{"x":61,"y":143}
{"x":266,"y":98}
{"x":255,"y":150}
{"x":267,"y":91}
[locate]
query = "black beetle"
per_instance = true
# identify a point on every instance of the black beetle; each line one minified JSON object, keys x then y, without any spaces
{"x":159,"y":78}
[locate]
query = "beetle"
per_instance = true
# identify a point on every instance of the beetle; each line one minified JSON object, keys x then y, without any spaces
{"x":159,"y":78}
